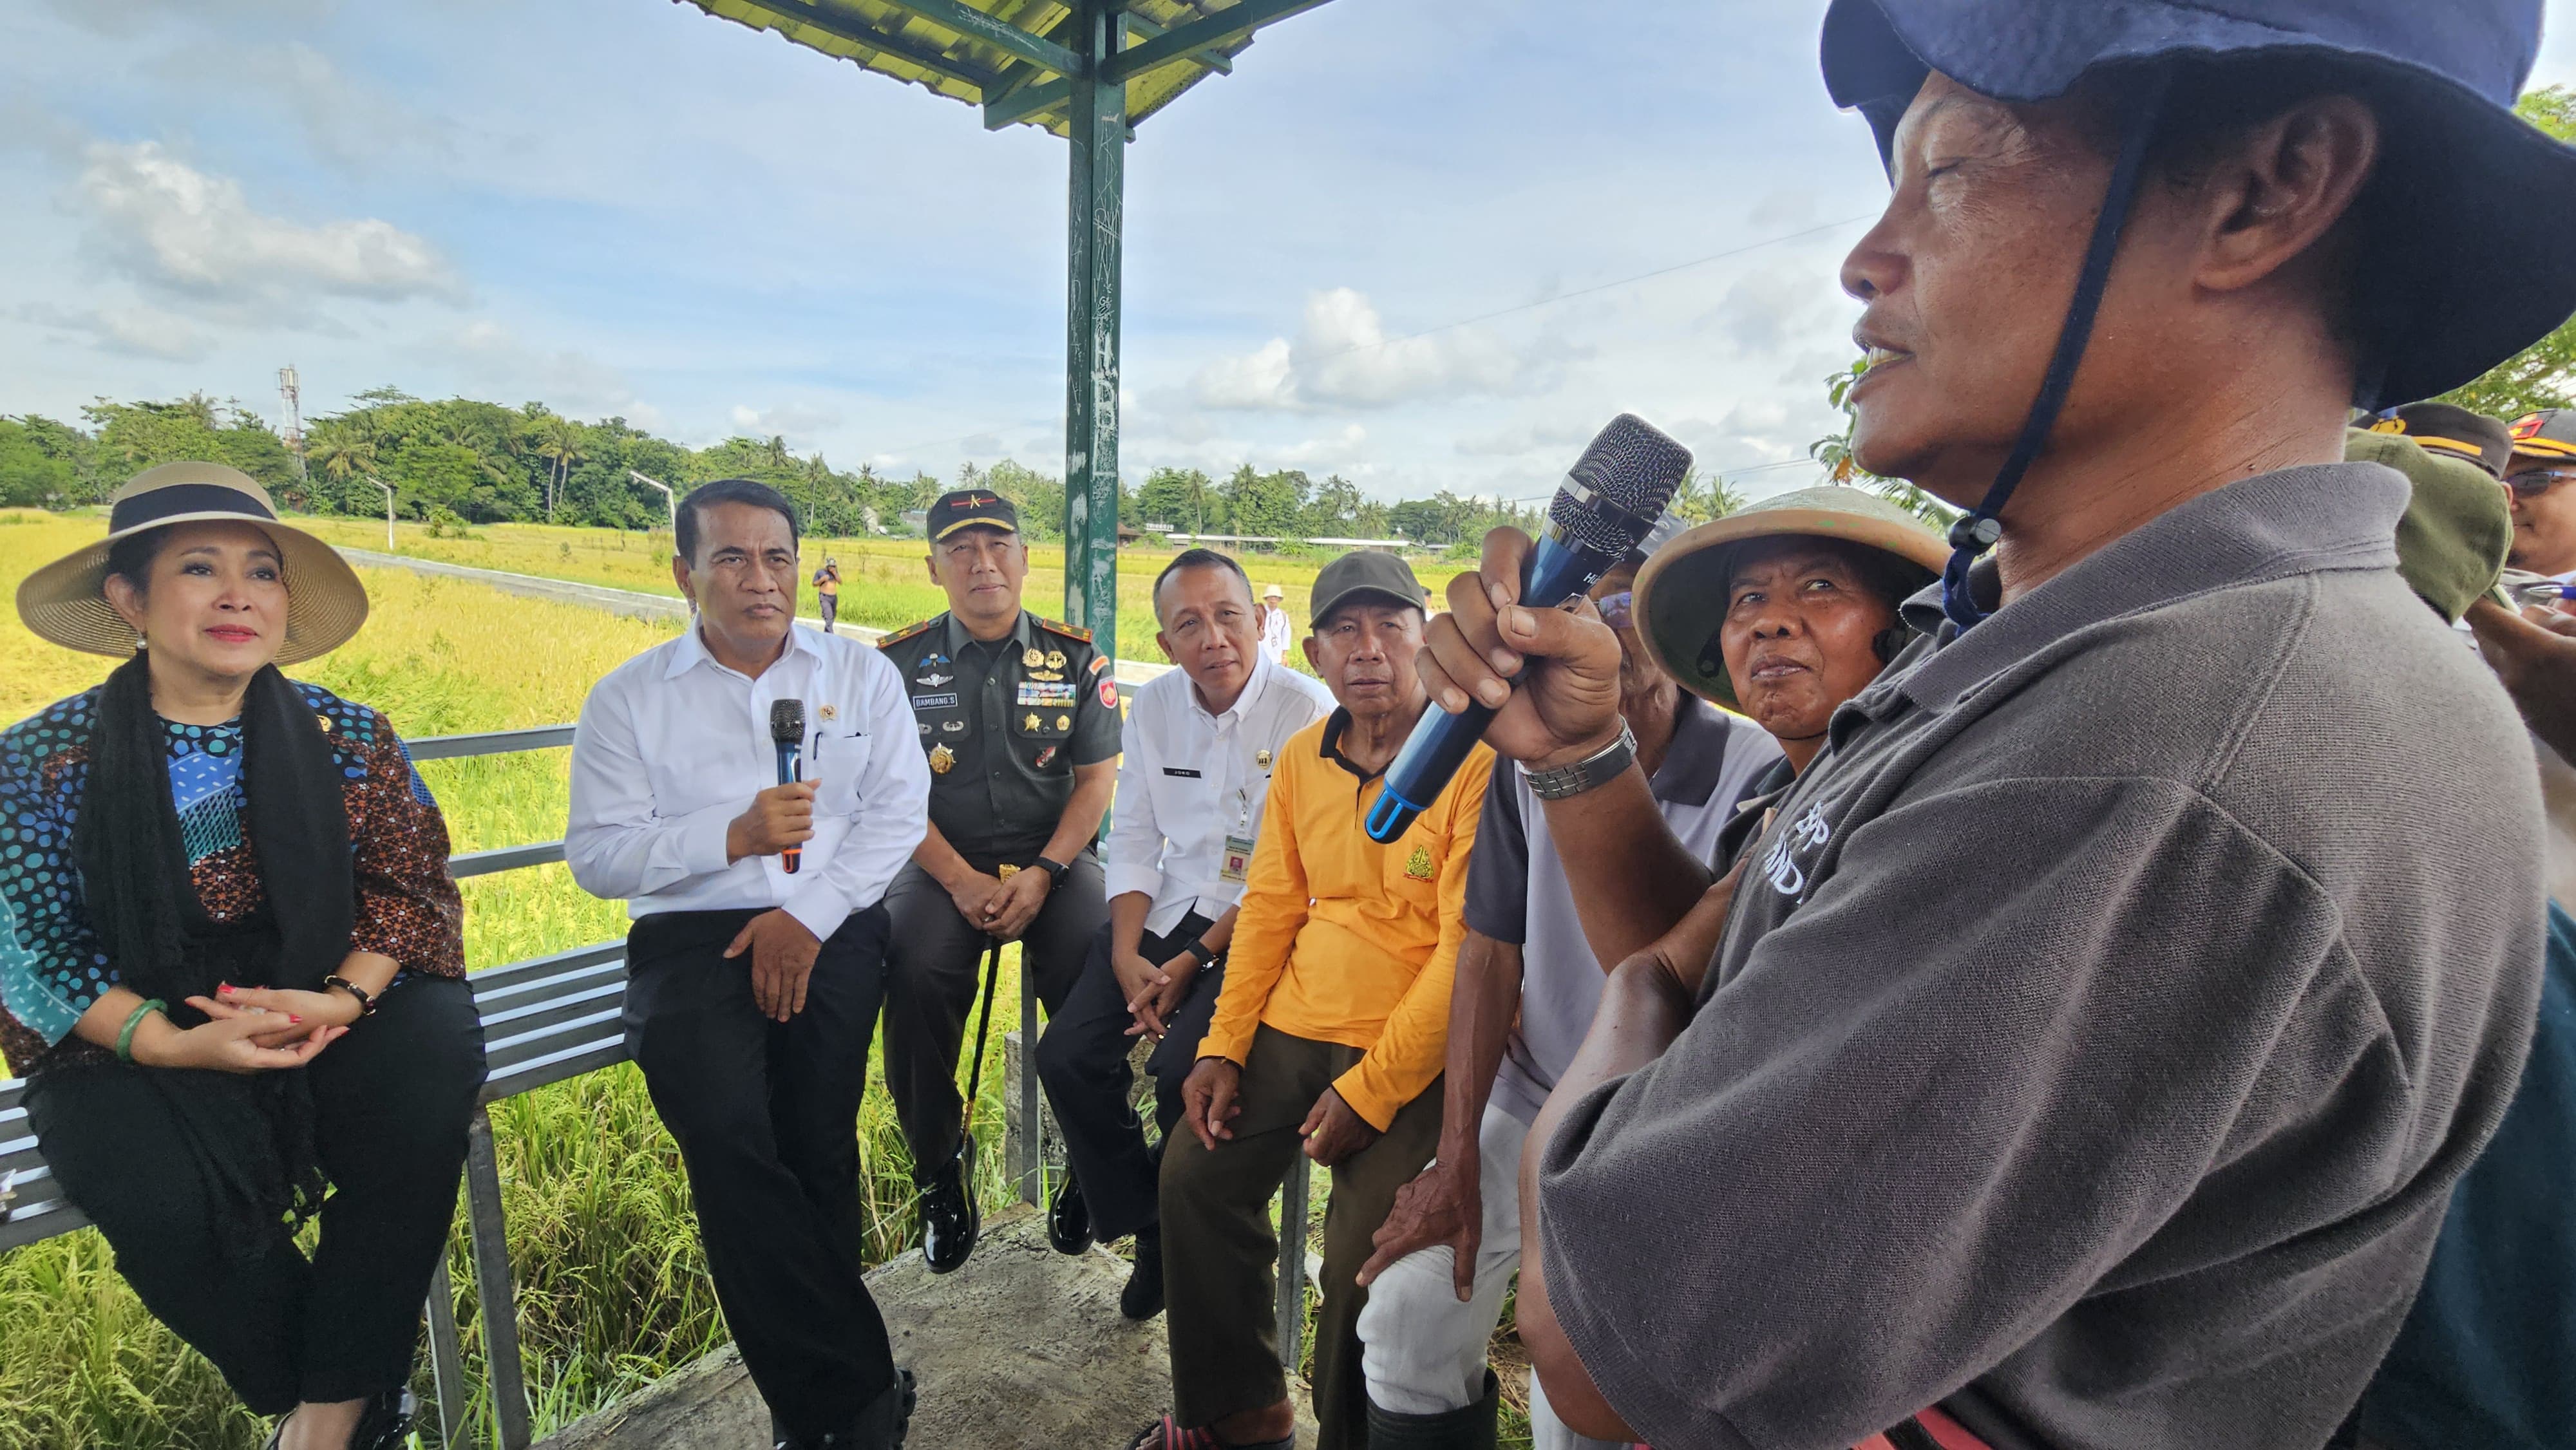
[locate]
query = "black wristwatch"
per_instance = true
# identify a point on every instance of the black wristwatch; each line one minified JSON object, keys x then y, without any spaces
{"x":366,"y":1002}
{"x":1055,"y":872}
{"x":1198,"y":947}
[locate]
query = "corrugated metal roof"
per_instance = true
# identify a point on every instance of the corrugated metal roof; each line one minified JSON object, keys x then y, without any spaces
{"x":961,"y":50}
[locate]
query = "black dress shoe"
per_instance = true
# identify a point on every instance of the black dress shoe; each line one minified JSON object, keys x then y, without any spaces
{"x":1069,"y":1218}
{"x":1142,"y":1299}
{"x":386,"y":1422}
{"x":949,"y":1221}
{"x":881,"y":1426}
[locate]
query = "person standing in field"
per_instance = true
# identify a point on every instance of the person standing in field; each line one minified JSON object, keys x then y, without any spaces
{"x":756,"y":961}
{"x":827,"y":591}
{"x":1018,"y":720}
{"x":1278,"y":631}
{"x":231,"y":957}
{"x":1200,"y":743}
{"x":2098,"y":1030}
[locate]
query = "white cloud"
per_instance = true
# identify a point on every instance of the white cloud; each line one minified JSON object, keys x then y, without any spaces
{"x":1343,"y":357}
{"x":134,"y":330}
{"x":197,"y":233}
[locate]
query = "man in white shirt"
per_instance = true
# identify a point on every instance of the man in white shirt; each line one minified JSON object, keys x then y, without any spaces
{"x":757,"y":957}
{"x":1198,"y":741}
{"x":1277,"y":630}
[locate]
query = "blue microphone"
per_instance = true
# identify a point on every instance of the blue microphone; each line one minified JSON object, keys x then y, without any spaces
{"x":1608,"y":504}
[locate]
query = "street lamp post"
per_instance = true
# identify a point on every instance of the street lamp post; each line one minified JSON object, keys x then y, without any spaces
{"x":669,"y":503}
{"x":389,"y":511}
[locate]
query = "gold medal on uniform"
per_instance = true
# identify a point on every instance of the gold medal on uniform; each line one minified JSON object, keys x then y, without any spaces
{"x":1034,"y":658}
{"x":1064,"y":722}
{"x":829,"y":713}
{"x":1261,"y":758}
{"x":941,"y":759}
{"x":1055,"y":659}
{"x":1031,"y":723}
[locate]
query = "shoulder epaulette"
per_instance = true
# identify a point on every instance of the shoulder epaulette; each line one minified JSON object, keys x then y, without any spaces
{"x":1058,"y":626}
{"x":907,"y":632}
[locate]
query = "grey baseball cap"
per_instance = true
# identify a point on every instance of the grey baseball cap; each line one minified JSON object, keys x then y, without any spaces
{"x":1359,"y":572}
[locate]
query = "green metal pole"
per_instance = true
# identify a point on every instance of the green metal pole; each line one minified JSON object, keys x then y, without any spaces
{"x":1096,"y":212}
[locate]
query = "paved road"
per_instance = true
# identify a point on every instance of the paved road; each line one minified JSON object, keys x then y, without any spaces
{"x":632,"y":603}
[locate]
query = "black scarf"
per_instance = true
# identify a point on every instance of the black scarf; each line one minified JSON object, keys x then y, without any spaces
{"x":257,"y":1131}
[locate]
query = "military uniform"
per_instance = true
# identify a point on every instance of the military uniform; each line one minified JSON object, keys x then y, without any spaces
{"x":1003,"y":724}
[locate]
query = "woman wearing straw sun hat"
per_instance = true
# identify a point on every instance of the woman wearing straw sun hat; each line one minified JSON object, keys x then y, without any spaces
{"x":230,"y":956}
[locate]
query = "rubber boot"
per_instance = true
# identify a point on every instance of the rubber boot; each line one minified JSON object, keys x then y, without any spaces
{"x":1471,"y":1428}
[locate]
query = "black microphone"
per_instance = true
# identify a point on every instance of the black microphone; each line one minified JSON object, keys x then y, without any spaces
{"x":1606,"y":507}
{"x":787,"y":733}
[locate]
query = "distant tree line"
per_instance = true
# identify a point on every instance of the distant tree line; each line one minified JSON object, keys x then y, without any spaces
{"x":472,"y":462}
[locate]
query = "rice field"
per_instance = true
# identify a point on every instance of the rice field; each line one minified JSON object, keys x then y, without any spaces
{"x":612,"y":1286}
{"x":885,"y":582}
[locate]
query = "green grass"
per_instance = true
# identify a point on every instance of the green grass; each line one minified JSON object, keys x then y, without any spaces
{"x":611,"y":1283}
{"x":885,"y":582}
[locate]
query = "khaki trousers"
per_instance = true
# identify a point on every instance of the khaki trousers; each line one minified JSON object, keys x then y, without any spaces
{"x":1219,"y":1249}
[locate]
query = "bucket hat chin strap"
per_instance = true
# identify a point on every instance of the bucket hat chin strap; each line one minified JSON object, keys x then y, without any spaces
{"x":1978,"y":530}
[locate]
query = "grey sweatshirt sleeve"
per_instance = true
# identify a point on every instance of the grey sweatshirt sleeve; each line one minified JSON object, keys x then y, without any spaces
{"x":1957,"y":1088}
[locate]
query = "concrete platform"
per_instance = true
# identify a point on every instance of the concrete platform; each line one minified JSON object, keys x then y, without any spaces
{"x":1023,"y":1349}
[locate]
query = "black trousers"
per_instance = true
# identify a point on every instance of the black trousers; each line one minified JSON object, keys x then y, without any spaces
{"x":766,"y":1115}
{"x":934,"y":970}
{"x":391,"y":1101}
{"x":1082,"y":1060}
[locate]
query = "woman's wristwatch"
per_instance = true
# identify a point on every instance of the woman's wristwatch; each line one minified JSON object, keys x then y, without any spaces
{"x":1590,"y":773}
{"x":1198,"y":948}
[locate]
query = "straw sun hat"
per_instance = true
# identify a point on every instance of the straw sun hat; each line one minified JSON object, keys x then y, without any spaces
{"x":1680,"y":594}
{"x":66,"y":601}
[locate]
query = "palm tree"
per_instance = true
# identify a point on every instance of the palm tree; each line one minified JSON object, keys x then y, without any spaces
{"x":561,"y":442}
{"x":347,"y":449}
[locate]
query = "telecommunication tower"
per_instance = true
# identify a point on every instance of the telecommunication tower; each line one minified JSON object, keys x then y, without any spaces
{"x":291,"y":393}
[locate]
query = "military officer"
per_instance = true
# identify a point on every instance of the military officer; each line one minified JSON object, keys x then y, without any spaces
{"x":1019,"y":717}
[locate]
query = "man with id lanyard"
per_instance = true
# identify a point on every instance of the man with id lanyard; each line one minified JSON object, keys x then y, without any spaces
{"x":1199,"y":742}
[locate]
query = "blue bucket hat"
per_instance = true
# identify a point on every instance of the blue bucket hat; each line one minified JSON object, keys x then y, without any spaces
{"x":2487,"y":271}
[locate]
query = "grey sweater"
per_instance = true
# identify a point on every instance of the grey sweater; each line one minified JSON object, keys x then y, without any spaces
{"x":2100,"y":1026}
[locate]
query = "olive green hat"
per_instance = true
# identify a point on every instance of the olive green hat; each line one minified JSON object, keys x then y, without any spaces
{"x":2452,"y":541}
{"x":1681,"y":592}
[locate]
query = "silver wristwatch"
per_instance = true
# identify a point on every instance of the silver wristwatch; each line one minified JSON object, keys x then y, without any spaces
{"x":1590,"y":773}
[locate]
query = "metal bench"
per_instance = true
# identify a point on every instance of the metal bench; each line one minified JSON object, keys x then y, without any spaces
{"x":545,"y":1020}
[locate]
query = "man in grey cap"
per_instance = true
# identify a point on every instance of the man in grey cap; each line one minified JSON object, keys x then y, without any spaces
{"x":2097,"y":1032}
{"x":1330,"y":1029}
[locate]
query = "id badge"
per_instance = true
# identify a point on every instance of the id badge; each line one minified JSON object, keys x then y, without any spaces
{"x":1238,"y":858}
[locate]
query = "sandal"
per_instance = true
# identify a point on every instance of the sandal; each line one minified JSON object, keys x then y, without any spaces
{"x":1166,"y":1434}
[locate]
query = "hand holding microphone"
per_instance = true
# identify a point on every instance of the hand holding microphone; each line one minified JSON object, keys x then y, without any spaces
{"x":781,"y":818}
{"x":1506,"y":664}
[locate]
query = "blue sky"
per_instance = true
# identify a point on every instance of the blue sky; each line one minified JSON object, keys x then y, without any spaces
{"x":1339,"y":258}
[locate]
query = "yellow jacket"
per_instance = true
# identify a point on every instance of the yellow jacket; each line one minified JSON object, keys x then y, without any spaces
{"x":1344,"y":940}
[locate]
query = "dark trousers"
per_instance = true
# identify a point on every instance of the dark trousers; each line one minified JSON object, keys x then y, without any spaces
{"x":766,"y":1115}
{"x":831,"y":609}
{"x":1083,"y":1060}
{"x":1219,"y":1247}
{"x":391,"y":1101}
{"x":933,"y":971}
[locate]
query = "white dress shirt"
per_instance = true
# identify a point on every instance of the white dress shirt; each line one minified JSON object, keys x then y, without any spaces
{"x":1275,"y":637}
{"x":672,"y":746}
{"x":1190,"y":779}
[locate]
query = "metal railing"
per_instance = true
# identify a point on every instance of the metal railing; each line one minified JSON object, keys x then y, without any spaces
{"x":546,"y":1020}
